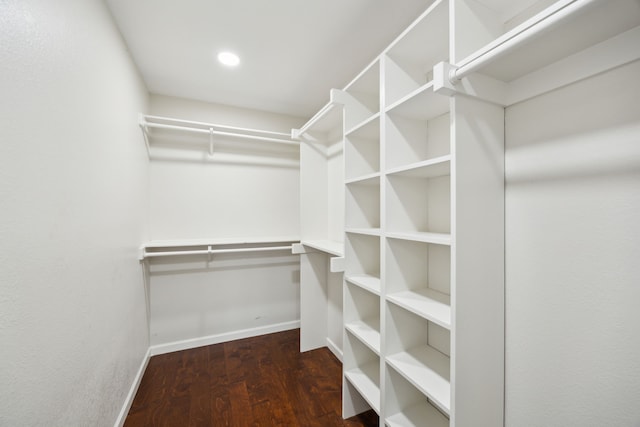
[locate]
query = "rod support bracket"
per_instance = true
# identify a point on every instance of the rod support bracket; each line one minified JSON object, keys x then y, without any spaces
{"x":444,"y":79}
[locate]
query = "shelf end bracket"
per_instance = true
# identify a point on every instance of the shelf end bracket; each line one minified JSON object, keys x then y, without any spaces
{"x":444,"y":78}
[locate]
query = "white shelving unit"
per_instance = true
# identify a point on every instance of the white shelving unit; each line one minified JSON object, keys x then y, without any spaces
{"x":322,"y":222}
{"x":423,"y":133}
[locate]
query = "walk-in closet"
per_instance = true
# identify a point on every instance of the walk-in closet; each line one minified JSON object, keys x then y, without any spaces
{"x":335,"y":213}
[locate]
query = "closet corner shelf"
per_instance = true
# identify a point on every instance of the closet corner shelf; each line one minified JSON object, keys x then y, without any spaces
{"x":428,"y":370}
{"x":331,"y":247}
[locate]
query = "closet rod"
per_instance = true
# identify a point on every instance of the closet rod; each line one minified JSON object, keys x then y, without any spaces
{"x":216,"y":251}
{"x":202,"y":125}
{"x":221,"y":133}
{"x":534,"y":29}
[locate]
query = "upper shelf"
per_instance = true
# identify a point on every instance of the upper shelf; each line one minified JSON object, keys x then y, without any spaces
{"x":561,"y":29}
{"x":165,"y":132}
{"x":212,"y":246}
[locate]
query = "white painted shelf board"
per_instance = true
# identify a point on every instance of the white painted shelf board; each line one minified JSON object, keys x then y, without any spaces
{"x":428,"y":370}
{"x":427,"y":303}
{"x":367,"y":231}
{"x":331,"y":247}
{"x":422,"y":414}
{"x":430,"y":168}
{"x":369,"y":179}
{"x":361,"y":380}
{"x":365,"y":333}
{"x":366,"y":281}
{"x":153,"y":244}
{"x":426,"y":237}
{"x":363,"y":124}
{"x":421,"y":104}
{"x":594,"y":24}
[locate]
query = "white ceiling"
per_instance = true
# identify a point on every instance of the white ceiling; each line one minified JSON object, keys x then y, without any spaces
{"x":292,"y":51}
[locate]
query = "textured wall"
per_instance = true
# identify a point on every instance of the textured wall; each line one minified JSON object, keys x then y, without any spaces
{"x":572,"y":255}
{"x":72,"y":189}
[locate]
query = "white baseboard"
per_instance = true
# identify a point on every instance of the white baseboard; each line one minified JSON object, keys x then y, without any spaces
{"x":133,"y":390}
{"x":227,"y":336}
{"x":334,"y":349}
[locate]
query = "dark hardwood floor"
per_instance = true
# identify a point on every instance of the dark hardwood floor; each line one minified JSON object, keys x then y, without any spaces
{"x":260,"y":381}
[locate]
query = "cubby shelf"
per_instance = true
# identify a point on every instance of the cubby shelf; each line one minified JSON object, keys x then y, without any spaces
{"x":421,"y":104}
{"x":364,"y":127}
{"x":364,"y":231}
{"x":427,"y":303}
{"x":364,"y":179}
{"x":365,"y":380}
{"x":426,"y":237}
{"x":428,"y":370}
{"x":366,"y":282}
{"x":367,"y":331}
{"x":431,"y":168}
{"x":417,"y":130}
{"x":420,"y":414}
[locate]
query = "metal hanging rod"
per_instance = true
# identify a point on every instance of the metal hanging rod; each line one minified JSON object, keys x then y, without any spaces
{"x":210,"y":251}
{"x":157,"y":122}
{"x":537,"y":25}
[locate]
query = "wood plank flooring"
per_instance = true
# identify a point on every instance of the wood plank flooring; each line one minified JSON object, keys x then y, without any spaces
{"x":260,"y":381}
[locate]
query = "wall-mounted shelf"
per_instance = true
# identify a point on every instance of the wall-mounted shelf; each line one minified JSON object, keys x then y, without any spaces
{"x":184,"y":247}
{"x":171,"y":133}
{"x":330,"y":247}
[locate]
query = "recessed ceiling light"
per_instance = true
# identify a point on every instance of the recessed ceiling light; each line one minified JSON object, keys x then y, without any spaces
{"x":229,"y":59}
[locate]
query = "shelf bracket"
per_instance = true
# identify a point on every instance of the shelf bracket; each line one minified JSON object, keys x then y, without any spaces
{"x":444,"y":79}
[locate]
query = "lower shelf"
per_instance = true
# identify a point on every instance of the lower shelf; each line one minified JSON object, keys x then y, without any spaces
{"x":365,"y":332}
{"x":432,"y":305}
{"x":363,"y":380}
{"x":421,"y":414}
{"x":428,"y":370}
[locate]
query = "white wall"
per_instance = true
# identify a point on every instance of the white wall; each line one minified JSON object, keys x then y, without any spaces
{"x":573,"y":255}
{"x":246,"y":194}
{"x":72,"y":187}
